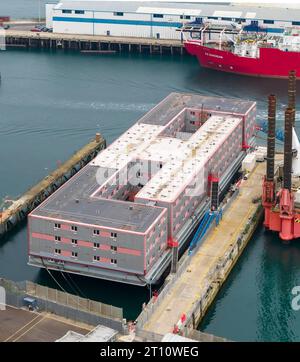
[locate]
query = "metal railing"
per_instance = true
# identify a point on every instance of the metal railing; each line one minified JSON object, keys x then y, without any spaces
{"x":74,"y":301}
{"x":146,"y":336}
{"x":63,"y":304}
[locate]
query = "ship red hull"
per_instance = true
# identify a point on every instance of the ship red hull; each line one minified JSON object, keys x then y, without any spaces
{"x":272,"y":62}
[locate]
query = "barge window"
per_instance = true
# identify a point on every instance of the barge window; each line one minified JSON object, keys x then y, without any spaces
{"x":268,"y":21}
{"x":57,"y":251}
{"x":96,"y":245}
{"x":67,"y":11}
{"x":113,"y":235}
{"x":96,"y":232}
{"x":74,"y":228}
{"x":185,"y":17}
{"x":113,"y":248}
{"x":113,"y":261}
{"x":79,"y":11}
{"x":295,"y":22}
{"x":118,"y":13}
{"x":158,"y":15}
{"x":57,"y":226}
{"x":96,"y":258}
{"x":57,"y":238}
{"x":74,"y":254}
{"x":74,"y":241}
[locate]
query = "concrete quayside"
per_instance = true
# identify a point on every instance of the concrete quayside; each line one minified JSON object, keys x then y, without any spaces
{"x":44,"y":40}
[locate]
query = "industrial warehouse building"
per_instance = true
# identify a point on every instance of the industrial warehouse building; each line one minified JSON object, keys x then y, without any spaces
{"x":158,"y":19}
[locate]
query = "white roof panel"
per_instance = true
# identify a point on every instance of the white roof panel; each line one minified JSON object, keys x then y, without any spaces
{"x":227,"y":14}
{"x":128,"y":146}
{"x":250,"y":15}
{"x":186,"y":158}
{"x":171,"y":11}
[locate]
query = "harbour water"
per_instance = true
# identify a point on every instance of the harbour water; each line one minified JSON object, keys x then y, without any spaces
{"x":23,"y":9}
{"x":52,"y":103}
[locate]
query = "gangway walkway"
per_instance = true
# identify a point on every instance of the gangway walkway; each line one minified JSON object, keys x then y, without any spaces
{"x":205,"y":224}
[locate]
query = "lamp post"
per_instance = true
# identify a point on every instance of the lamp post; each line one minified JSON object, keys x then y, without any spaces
{"x":39,"y":5}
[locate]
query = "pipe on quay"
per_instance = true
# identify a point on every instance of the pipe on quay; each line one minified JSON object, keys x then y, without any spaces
{"x":20,"y":208}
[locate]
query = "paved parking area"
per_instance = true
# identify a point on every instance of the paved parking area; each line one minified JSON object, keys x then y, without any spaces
{"x":18,"y":325}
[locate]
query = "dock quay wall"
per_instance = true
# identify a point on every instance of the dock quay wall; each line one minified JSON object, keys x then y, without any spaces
{"x":220,"y":272}
{"x":20,"y":208}
{"x":92,"y":43}
{"x":63,"y":304}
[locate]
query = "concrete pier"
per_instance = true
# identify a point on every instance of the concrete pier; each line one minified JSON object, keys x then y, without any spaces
{"x":184,"y":300}
{"x":20,"y":208}
{"x":79,"y":42}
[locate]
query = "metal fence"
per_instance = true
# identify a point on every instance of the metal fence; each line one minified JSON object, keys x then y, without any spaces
{"x":146,"y":336}
{"x":197,"y":336}
{"x":64,"y":304}
{"x":74,"y":301}
{"x":205,"y":337}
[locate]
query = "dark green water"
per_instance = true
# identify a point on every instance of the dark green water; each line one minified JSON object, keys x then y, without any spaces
{"x":255,"y":302}
{"x":53,"y":103}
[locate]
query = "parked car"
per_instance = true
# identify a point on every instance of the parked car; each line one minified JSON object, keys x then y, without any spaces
{"x":39,"y":28}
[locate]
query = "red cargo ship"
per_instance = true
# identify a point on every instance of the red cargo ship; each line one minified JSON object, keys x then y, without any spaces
{"x":255,"y":54}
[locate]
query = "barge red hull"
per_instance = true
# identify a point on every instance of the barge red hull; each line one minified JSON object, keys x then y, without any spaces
{"x":272,"y":62}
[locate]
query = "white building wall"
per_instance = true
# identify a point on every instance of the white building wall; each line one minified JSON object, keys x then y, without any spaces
{"x":152,"y":29}
{"x":72,"y":27}
{"x":110,"y":25}
{"x":122,"y":29}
